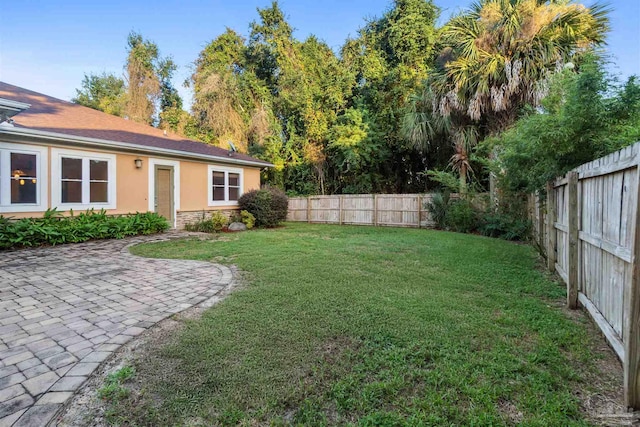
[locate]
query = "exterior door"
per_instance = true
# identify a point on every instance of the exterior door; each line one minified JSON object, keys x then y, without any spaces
{"x":164,"y":192}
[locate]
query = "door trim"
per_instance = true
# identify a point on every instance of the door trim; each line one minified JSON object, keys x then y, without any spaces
{"x":176,"y":184}
{"x":156,"y":192}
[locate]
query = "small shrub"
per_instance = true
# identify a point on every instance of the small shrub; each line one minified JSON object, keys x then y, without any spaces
{"x":461,"y":216}
{"x":219,"y":221}
{"x":505,"y":226}
{"x":215,"y":224}
{"x":248,"y":219}
{"x":201,"y":226}
{"x":269,"y":206}
{"x":456,"y":215}
{"x":438,"y":207}
{"x":54,"y":228}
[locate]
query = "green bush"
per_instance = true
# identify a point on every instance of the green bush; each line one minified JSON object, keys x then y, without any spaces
{"x":54,"y":228}
{"x":461,"y":216}
{"x":438,"y":207}
{"x":248,"y":219}
{"x":456,"y":215}
{"x":505,"y":226}
{"x":215,"y":224}
{"x":219,"y":221}
{"x":269,"y":206}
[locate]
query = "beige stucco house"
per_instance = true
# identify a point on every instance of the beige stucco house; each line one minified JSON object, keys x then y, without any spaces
{"x":56,"y":154}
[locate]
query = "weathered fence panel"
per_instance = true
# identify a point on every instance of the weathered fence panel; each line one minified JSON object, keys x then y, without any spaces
{"x":358,"y":209}
{"x":325,"y":209}
{"x":595,"y":244}
{"x":397,"y":210}
{"x":297,"y":209}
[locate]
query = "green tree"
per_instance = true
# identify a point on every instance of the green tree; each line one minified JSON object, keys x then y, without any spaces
{"x":149,"y":86}
{"x":585,"y":116}
{"x":308,"y":85}
{"x":354,"y":147}
{"x":222,"y":91}
{"x":391,"y":57}
{"x":147,"y":95}
{"x":104,"y":92}
{"x":274,"y":96}
{"x":434,"y":133}
{"x":498,"y":57}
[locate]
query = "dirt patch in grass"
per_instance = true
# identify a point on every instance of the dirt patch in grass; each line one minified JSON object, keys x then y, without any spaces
{"x":603,"y":401}
{"x":334,"y":348}
{"x":510,"y":412}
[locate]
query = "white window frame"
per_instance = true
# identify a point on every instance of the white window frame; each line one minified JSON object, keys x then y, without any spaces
{"x":227,"y":171}
{"x":176,"y":185}
{"x":42,"y":161}
{"x":86,"y":156}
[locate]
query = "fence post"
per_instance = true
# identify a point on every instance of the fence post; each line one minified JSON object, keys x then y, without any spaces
{"x":541,"y":229}
{"x":572,"y":283}
{"x":531,"y":211}
{"x":631,"y":316}
{"x":551,"y":228}
{"x":375,"y":210}
{"x":419,"y":212}
{"x":341,"y":201}
{"x":309,"y":209}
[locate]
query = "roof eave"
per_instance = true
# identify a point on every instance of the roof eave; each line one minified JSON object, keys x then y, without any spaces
{"x":125,"y":146}
{"x":9,"y":108}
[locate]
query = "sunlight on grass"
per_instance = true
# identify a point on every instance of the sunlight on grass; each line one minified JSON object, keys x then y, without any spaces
{"x":371,"y":326}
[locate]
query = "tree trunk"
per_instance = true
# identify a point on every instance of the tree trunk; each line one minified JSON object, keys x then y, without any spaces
{"x":463,"y":180}
{"x":493,"y":185}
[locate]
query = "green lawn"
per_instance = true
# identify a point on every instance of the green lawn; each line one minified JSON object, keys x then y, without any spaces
{"x":370,"y":326}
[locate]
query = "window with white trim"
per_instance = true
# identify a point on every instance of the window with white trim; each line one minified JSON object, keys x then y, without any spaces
{"x":225,"y":185}
{"x":83,"y":180}
{"x":23,"y":178}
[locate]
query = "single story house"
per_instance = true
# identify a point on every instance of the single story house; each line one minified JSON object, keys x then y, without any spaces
{"x":56,"y":154}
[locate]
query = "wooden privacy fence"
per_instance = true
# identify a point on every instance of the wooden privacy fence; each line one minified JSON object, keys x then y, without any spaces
{"x":590,"y":233}
{"x":397,"y":210}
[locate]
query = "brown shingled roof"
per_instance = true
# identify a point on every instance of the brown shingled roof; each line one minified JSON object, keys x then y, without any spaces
{"x":54,"y":115}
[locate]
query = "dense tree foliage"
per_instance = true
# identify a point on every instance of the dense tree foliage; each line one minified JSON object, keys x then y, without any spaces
{"x":400,"y":98}
{"x":273,"y":96}
{"x":585,"y":116}
{"x":391,"y":57}
{"x":500,"y":55}
{"x":149,"y":80}
{"x":496,"y":59}
{"x":104,"y":92}
{"x":145,"y":93}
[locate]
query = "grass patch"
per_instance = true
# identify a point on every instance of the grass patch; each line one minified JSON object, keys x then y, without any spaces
{"x":114,"y":393}
{"x":370,"y":326}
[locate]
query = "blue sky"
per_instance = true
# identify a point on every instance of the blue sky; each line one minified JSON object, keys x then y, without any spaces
{"x":47,"y":46}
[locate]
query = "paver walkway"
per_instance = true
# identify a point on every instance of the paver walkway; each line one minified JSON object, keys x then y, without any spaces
{"x":65,"y":309}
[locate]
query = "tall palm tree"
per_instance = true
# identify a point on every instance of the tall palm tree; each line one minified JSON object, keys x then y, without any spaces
{"x":502,"y":52}
{"x":498,"y":56}
{"x":422,"y":126}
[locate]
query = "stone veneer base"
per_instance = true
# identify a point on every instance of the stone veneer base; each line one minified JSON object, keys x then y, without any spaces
{"x":189,"y":217}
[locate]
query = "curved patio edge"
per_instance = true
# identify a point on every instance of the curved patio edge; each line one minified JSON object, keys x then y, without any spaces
{"x":69,"y":308}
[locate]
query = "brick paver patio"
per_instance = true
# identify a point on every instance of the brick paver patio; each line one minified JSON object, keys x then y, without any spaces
{"x":65,"y":309}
